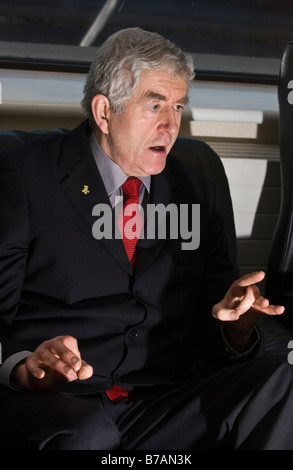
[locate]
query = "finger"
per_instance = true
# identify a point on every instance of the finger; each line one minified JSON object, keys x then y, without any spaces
{"x":251,"y":278}
{"x":33,"y":368}
{"x":85,"y":372}
{"x":66,"y":348}
{"x":261,"y":302}
{"x":225,"y":314}
{"x":249,"y":298}
{"x":270,"y":309}
{"x":42,"y":360}
{"x":276,"y":309}
{"x":233,"y":315}
{"x":66,"y":357}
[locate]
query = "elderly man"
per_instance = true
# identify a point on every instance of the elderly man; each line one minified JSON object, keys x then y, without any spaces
{"x":127,"y":342}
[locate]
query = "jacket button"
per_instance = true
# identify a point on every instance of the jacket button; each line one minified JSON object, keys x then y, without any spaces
{"x":133,"y":334}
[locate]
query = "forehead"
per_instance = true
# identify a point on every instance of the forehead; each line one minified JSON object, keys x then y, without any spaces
{"x":161,"y":81}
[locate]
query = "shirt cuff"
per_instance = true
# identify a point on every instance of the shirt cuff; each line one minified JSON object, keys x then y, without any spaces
{"x":232,"y":353}
{"x":7,"y":366}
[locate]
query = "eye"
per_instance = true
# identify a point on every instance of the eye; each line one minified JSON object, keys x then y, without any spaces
{"x":178,"y":107}
{"x":155,"y":107}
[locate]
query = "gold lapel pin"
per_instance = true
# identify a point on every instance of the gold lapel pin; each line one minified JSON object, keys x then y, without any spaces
{"x":85,"y":189}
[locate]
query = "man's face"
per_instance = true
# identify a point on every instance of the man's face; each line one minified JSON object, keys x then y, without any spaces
{"x":140,"y":139}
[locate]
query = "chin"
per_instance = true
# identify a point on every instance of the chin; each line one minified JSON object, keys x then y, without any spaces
{"x":157,"y":166}
{"x":155,"y":170}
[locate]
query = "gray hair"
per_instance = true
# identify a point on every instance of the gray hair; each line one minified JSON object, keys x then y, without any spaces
{"x":115,"y":70}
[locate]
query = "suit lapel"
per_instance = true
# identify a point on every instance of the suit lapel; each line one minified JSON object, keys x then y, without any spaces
{"x":163,"y":187}
{"x":83,"y":184}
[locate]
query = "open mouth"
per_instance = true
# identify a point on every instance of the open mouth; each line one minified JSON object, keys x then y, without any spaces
{"x":158,"y":148}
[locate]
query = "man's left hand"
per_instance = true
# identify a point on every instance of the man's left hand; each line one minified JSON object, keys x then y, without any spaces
{"x":242,"y":307}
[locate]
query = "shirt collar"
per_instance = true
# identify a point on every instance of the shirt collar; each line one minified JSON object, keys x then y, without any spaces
{"x":112,"y":174}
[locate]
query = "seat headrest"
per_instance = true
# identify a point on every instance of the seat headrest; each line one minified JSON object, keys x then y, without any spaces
{"x":14,"y":138}
{"x":285,"y":89}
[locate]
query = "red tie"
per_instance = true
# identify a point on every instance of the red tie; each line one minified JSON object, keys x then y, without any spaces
{"x":130,"y":222}
{"x":116,"y":393}
{"x":130,"y":232}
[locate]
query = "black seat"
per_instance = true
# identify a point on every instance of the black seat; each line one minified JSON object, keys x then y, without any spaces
{"x":279,"y":285}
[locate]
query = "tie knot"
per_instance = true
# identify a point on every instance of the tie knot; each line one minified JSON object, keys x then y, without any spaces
{"x":131,"y":187}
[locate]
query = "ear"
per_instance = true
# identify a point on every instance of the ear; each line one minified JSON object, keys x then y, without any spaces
{"x":101,"y":109}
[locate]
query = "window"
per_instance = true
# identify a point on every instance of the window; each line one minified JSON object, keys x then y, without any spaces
{"x":247,"y":28}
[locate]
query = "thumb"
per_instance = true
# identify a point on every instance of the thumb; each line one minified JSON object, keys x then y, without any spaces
{"x":85,"y":372}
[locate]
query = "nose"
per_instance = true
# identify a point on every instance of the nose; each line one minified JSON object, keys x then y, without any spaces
{"x":170,"y":121}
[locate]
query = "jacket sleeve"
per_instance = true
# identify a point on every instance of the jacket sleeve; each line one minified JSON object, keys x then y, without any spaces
{"x":221,"y":272}
{"x":14,"y":242}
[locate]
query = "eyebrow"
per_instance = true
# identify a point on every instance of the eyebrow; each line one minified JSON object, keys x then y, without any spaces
{"x":158,"y":96}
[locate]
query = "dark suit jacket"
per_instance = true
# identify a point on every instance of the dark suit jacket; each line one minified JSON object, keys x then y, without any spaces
{"x":145,"y":327}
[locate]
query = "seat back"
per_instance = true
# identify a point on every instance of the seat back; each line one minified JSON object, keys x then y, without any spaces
{"x":193,"y":152}
{"x":279,"y":284}
{"x":200,"y":156}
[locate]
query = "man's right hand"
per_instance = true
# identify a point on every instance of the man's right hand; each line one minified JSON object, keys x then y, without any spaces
{"x":54,"y":362}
